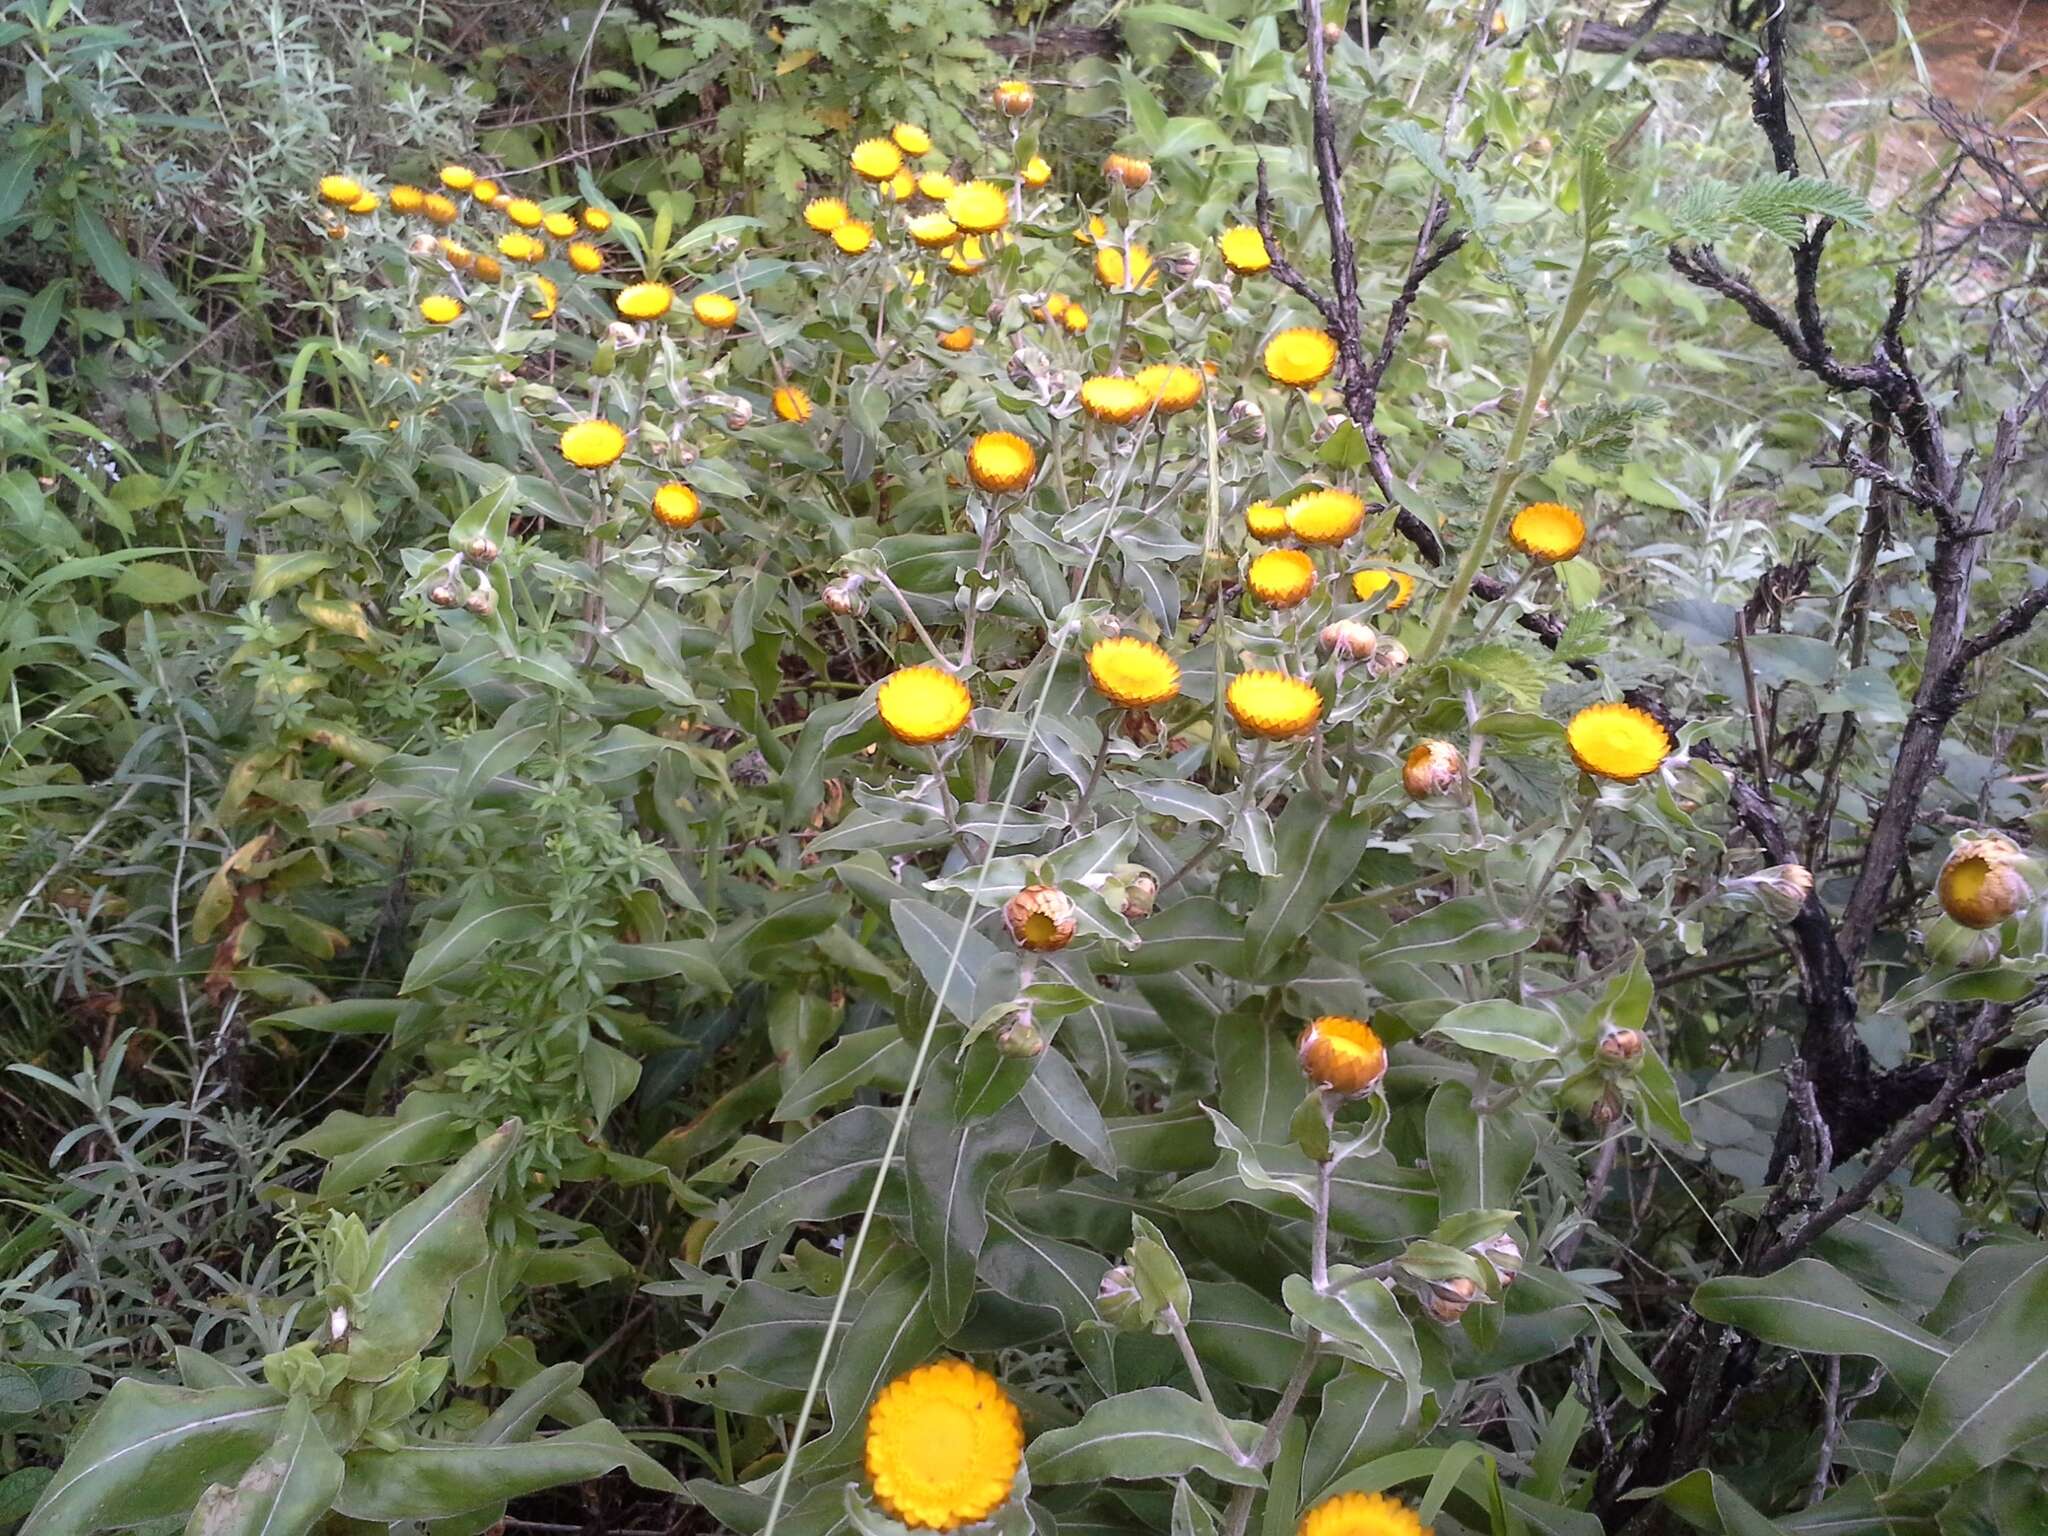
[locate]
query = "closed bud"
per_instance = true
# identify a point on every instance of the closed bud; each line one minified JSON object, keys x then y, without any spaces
{"x":1040,"y":918}
{"x":1246,"y":422}
{"x":1117,"y":1300}
{"x":1127,"y":171}
{"x":480,"y":602}
{"x":1503,"y":1253}
{"x":1180,"y":266}
{"x":1350,"y":639}
{"x":1433,"y":768}
{"x":444,"y":596}
{"x":1780,"y":890}
{"x":1332,"y":34}
{"x":482,"y":549}
{"x":623,"y":337}
{"x":739,"y":417}
{"x":1021,"y":1039}
{"x":1388,"y":658}
{"x":843,"y":596}
{"x":337,"y":1325}
{"x":504,"y":379}
{"x":424,"y":245}
{"x":1328,"y":427}
{"x":1447,"y":1300}
{"x":1141,"y":891}
{"x":1982,"y":883}
{"x":1621,"y":1049}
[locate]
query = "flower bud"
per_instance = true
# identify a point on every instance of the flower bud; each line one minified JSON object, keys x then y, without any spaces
{"x":1040,"y":918}
{"x":1342,"y":1056}
{"x":483,"y":549}
{"x":1606,"y":1109}
{"x":1389,"y":657}
{"x":1246,"y":422}
{"x":337,"y":1325}
{"x":1981,"y":885}
{"x":1447,"y":1300}
{"x":1621,"y":1049}
{"x":1350,"y":639}
{"x":504,"y":378}
{"x":1127,"y":171}
{"x":1780,"y":890}
{"x":444,"y":596}
{"x":1013,"y":98}
{"x":739,"y":416}
{"x":1332,"y":34}
{"x":1117,"y":1300}
{"x":423,"y":245}
{"x":1503,"y":1253}
{"x":1328,"y":427}
{"x":480,"y":602}
{"x":1021,"y":1039}
{"x":623,"y":337}
{"x":1141,"y":891}
{"x":843,"y":596}
{"x":1433,"y":768}
{"x":1180,"y":266}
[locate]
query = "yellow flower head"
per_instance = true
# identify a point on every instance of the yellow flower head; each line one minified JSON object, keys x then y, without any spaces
{"x":1037,"y":172}
{"x":902,"y":186}
{"x":550,"y":296}
{"x":979,"y":207}
{"x":562,"y":226}
{"x":967,"y":257}
{"x":594,"y":444}
{"x":959,"y":339}
{"x":1325,"y":517}
{"x":1244,"y":250}
{"x":596,"y":220}
{"x":1132,"y":672}
{"x":1282,"y":577}
{"x":337,"y":231}
{"x":1368,"y":584}
{"x":936,"y":186}
{"x":1112,"y":271}
{"x":1273,"y":705}
{"x":440,"y":309}
{"x":876,"y":159}
{"x":1302,"y":357}
{"x":1001,"y":461}
{"x":457,"y":178}
{"x":1013,"y":98}
{"x":1074,"y":318}
{"x":1266,"y":521}
{"x":943,"y":1442}
{"x":524,"y":212}
{"x":340,"y":190}
{"x":921,"y":705}
{"x":718,"y":311}
{"x":1547,"y":531}
{"x":520,"y":246}
{"x":675,"y":505}
{"x":1342,"y":1055}
{"x":824,"y":214}
{"x":1361,"y":1514}
{"x":1113,"y":398}
{"x":406,"y":199}
{"x":439,"y":208}
{"x":1175,"y":386}
{"x":854,"y":236}
{"x":585,"y":257}
{"x":1056,"y":304}
{"x":645,"y":301}
{"x":1617,"y":742}
{"x":488,"y":270}
{"x":911,"y":139}
{"x":933,"y":231}
{"x":1127,"y":171}
{"x":1094,"y":232}
{"x":369,"y":202}
{"x":484,"y":190}
{"x":791,"y":403}
{"x":458,"y":256}
{"x":1981,"y":884}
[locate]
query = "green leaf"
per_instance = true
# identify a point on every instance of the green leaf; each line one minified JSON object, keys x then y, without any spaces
{"x":1813,"y":1307}
{"x":850,"y":1065}
{"x":946,"y":950}
{"x":1478,"y":1160}
{"x":1504,"y":1029}
{"x":419,"y":1253}
{"x":1161,"y":1281}
{"x":103,"y":248}
{"x":274,"y":573}
{"x":158,"y":583}
{"x":1364,"y":1416}
{"x":1188,"y":19}
{"x":2037,"y":1082}
{"x":823,"y":1174}
{"x":757,"y":1357}
{"x":1058,"y":1100}
{"x":1709,"y":1503}
{"x":286,"y":1489}
{"x":1317,"y":853}
{"x":440,"y":1480}
{"x":18,"y":1393}
{"x":1362,"y":1320}
{"x":1153,"y":1432}
{"x":1989,"y":1399}
{"x":17,"y":175}
{"x":1455,"y":932}
{"x":894,"y":1331}
{"x":949,"y":1166}
{"x":149,"y":1452}
{"x":484,"y":919}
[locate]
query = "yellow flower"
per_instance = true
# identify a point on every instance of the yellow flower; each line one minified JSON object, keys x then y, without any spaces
{"x":460,"y":257}
{"x":645,"y":301}
{"x":902,"y":186}
{"x":1132,"y":672}
{"x":520,"y":246}
{"x":1368,"y":584}
{"x":936,"y":186}
{"x":1325,"y":517}
{"x":1342,"y":1055}
{"x":550,"y":296}
{"x":340,"y":190}
{"x":911,"y":139}
{"x":457,"y":178}
{"x":1110,"y":268}
{"x":979,"y":207}
{"x":959,"y":339}
{"x":1273,"y":704}
{"x":593,"y":444}
{"x":943,"y":1442}
{"x":1013,"y":98}
{"x":1547,"y":531}
{"x":824,"y":214}
{"x":716,"y":310}
{"x":337,"y":231}
{"x":1041,"y":918}
{"x":1266,"y":521}
{"x":1056,"y":304}
{"x":1127,"y":171}
{"x":1113,"y":398}
{"x":854,"y":236}
{"x":596,"y":220}
{"x":1244,"y":250}
{"x":921,"y":705}
{"x":1617,"y":741}
{"x":1075,"y":319}
{"x":1981,"y":885}
{"x":369,"y":202}
{"x":791,"y":403}
{"x":1175,"y":386}
{"x":675,"y":505}
{"x":876,"y":159}
{"x":439,"y":208}
{"x":488,"y":270}
{"x":1282,"y":577}
{"x":933,"y":231}
{"x":440,"y":309}
{"x":524,"y":212}
{"x":562,"y":226}
{"x":1001,"y":461}
{"x":1301,"y":357}
{"x":1036,"y":172}
{"x":585,"y":257}
{"x":967,"y":257}
{"x":1361,"y":1514}
{"x":1094,"y":232}
{"x":405,"y":199}
{"x":484,"y":190}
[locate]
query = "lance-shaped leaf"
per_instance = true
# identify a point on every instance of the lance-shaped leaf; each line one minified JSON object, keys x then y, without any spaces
{"x":284,"y":1491}
{"x":417,"y":1256}
{"x":150,"y":1451}
{"x":823,"y":1174}
{"x":1989,"y":1399}
{"x":1058,"y":1100}
{"x":1315,"y":853}
{"x":1363,"y":1322}
{"x":1364,"y":1416}
{"x":1708,"y":1503}
{"x":757,"y":1357}
{"x":1503,"y":1029}
{"x":946,"y":950}
{"x":1452,"y":933}
{"x":484,"y":919}
{"x":1478,"y":1160}
{"x":893,"y":1332}
{"x":1040,"y":1271}
{"x":1154,"y":1432}
{"x":1814,"y":1307}
{"x":434,"y":1482}
{"x":950,"y":1166}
